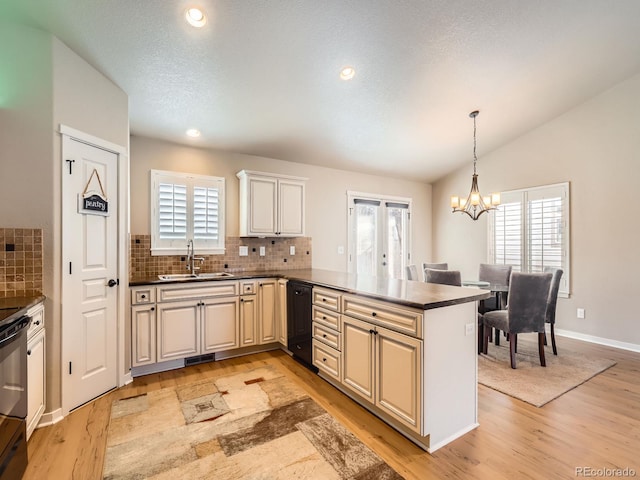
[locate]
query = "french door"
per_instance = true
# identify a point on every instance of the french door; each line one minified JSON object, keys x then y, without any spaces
{"x":379,"y":233}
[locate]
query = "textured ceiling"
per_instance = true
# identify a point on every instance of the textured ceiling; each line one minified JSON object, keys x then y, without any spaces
{"x":262,"y":76}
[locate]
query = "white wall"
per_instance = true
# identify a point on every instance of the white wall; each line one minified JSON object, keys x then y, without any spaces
{"x":596,"y":148}
{"x":326,"y":200}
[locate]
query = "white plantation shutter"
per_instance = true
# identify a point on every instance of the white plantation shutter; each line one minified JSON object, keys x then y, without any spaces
{"x":186,"y":207}
{"x":530,"y":231}
{"x":172,"y":211}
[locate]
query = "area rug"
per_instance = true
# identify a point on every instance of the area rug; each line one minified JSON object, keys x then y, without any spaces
{"x":251,"y":425}
{"x":529,"y":381}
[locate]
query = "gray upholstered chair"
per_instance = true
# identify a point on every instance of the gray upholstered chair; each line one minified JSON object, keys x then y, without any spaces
{"x":525,"y":313}
{"x":552,"y":300}
{"x":411,"y":272}
{"x":444,"y":277}
{"x":435,"y":266}
{"x":495,"y":275}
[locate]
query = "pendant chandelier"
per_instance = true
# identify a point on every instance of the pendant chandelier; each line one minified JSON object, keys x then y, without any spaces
{"x":475,"y":204}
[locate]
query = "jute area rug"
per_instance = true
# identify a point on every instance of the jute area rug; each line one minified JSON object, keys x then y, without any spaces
{"x":531,"y":382}
{"x":250,"y":425}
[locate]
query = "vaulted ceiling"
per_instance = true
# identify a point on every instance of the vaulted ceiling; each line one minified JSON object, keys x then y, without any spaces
{"x":262,"y":77}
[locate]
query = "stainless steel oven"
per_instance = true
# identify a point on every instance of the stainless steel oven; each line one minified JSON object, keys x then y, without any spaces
{"x":13,"y":393}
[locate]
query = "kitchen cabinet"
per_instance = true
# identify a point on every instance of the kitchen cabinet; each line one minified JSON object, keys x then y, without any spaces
{"x":248,"y":320}
{"x":281,"y":311}
{"x":220,"y":324}
{"x":267,"y":319}
{"x":143,"y":334}
{"x":178,"y":334}
{"x":271,"y":205}
{"x":383,"y":367}
{"x":36,"y":363}
{"x":326,"y":331}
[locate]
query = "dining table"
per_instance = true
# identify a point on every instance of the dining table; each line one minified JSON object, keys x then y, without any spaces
{"x":499,"y":292}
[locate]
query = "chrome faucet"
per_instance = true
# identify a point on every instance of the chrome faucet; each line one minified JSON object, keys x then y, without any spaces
{"x":191,"y":258}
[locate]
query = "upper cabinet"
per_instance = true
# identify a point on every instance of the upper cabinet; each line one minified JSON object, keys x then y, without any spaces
{"x":271,"y":205}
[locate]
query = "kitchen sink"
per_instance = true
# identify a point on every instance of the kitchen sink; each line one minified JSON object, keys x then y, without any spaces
{"x":214,"y":275}
{"x":192,"y":276}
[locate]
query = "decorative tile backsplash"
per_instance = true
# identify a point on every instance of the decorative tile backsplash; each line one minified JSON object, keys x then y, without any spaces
{"x":20,"y":262}
{"x":277,"y":257}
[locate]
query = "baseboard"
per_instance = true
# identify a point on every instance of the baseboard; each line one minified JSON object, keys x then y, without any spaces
{"x":157,"y":367}
{"x":49,"y":418}
{"x":126,"y":379}
{"x":633,"y":347}
{"x":451,"y":438}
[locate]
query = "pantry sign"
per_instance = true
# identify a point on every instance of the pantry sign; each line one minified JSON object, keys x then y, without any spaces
{"x":93,"y":200}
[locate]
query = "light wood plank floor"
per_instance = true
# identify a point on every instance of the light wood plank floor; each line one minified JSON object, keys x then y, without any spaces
{"x":596,"y":425}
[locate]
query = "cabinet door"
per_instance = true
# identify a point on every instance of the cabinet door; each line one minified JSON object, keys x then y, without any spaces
{"x":220,"y":324}
{"x":35,"y":380}
{"x":248,"y":320}
{"x":357,"y":357}
{"x":267,"y":311}
{"x":143,"y":335}
{"x":281,"y":312}
{"x":398,"y":360}
{"x":290,"y":208}
{"x":178,"y":330}
{"x":262,"y":211}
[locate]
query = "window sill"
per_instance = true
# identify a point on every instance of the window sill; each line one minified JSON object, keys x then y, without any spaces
{"x":157,"y":252}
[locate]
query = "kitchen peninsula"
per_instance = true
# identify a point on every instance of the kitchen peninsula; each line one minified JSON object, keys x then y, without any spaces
{"x":404,"y":350}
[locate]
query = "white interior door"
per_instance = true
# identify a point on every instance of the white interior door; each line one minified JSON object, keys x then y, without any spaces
{"x":89,"y":273}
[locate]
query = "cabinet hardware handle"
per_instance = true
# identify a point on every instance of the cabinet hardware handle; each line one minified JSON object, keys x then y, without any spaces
{"x":324,"y":335}
{"x":324,"y":318}
{"x":28,"y":352}
{"x":373,"y":314}
{"x":242,"y":299}
{"x":370,"y":330}
{"x":324,"y":299}
{"x":143,"y":296}
{"x":153,"y":309}
{"x":37,"y":322}
{"x":324,"y":359}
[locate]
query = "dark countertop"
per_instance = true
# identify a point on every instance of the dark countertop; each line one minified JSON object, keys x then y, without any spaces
{"x":414,"y":294}
{"x":13,"y":307}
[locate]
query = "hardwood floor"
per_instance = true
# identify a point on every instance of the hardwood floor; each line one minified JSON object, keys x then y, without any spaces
{"x":596,"y":425}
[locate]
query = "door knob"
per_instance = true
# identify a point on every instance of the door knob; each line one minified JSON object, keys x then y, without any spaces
{"x":112,"y":283}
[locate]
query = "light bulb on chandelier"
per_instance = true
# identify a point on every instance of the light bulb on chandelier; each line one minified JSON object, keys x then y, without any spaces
{"x":475,"y":204}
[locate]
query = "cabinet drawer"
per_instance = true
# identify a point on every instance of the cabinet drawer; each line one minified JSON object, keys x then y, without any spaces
{"x":326,"y":317}
{"x":327,"y":298}
{"x":247,"y":287}
{"x":403,"y":320}
{"x":326,"y":359}
{"x":37,"y":320}
{"x":189,"y":292}
{"x":141,"y":296}
{"x":326,"y":335}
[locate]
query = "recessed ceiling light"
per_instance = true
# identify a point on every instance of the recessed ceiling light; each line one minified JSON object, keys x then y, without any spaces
{"x":196,"y":17}
{"x":193,"y":132}
{"x":347,"y":73}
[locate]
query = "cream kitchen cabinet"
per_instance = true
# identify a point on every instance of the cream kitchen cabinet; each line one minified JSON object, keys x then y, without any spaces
{"x":36,"y":362}
{"x":326,"y":328}
{"x":143,"y":334}
{"x":271,"y":205}
{"x":384,"y":367}
{"x":281,"y":311}
{"x":220,"y":324}
{"x":258,"y":314}
{"x":178,"y":329}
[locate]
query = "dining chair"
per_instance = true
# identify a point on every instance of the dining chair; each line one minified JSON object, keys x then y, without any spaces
{"x":525,"y":313}
{"x":552,"y":300}
{"x":411,"y":272}
{"x":444,"y":277}
{"x":434,"y":266}
{"x":495,"y":275}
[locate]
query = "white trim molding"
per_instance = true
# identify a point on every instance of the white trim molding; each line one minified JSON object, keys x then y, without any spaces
{"x":632,"y":347}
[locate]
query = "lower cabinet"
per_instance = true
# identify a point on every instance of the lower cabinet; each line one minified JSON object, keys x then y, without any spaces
{"x":267,"y":324}
{"x":384,"y":367}
{"x":178,"y":333}
{"x":220,"y":324}
{"x":248,"y":320}
{"x":35,"y":380}
{"x":143,"y":335}
{"x":281,"y":311}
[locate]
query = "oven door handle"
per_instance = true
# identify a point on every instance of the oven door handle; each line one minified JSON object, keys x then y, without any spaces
{"x":22,"y":323}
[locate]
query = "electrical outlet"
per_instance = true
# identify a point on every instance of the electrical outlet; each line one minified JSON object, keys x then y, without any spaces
{"x":468,"y":329}
{"x":292,"y":250}
{"x":244,"y":251}
{"x":262,"y":251}
{"x":340,"y":250}
{"x":580,"y":313}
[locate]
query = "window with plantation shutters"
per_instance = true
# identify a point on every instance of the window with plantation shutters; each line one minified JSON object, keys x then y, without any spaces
{"x":186,"y":207}
{"x":530,"y":230}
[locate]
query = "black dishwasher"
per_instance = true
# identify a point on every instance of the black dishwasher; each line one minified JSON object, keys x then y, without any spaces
{"x":299,"y":321}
